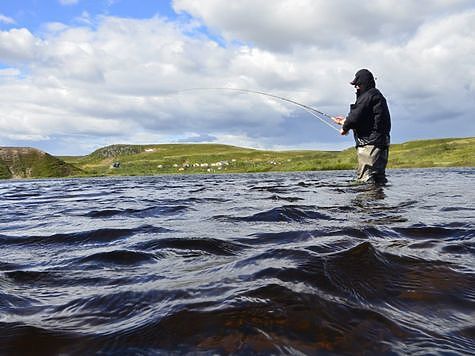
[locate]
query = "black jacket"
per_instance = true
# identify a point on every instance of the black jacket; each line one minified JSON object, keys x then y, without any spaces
{"x":369,"y":116}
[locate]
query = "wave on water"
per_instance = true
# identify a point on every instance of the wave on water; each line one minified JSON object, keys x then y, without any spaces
{"x":105,"y":235}
{"x":138,"y":213}
{"x":286,"y":213}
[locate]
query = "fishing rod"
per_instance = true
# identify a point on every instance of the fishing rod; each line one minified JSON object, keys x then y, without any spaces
{"x":316,"y":113}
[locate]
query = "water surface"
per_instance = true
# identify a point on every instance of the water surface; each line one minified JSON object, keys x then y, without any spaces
{"x":281,"y":263}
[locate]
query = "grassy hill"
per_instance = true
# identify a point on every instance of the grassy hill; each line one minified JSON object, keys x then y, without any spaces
{"x":26,"y":162}
{"x":214,"y":158}
{"x":449,"y":152}
{"x":202,"y":158}
{"x":20,"y":162}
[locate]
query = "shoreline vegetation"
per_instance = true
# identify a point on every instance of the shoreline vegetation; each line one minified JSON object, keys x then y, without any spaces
{"x":157,"y":159}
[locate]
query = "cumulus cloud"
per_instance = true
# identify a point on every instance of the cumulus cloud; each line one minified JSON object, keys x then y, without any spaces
{"x":284,"y":24}
{"x":18,"y":45}
{"x":111,"y":80}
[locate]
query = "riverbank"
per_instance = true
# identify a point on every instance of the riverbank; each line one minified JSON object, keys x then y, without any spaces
{"x":157,"y":159}
{"x":134,"y":160}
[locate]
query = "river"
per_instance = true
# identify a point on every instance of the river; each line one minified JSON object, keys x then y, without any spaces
{"x":272,"y":263}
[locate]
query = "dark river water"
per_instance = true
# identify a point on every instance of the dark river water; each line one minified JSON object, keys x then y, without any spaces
{"x":281,"y":263}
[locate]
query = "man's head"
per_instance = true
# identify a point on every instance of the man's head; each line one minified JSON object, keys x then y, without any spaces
{"x":363,"y":81}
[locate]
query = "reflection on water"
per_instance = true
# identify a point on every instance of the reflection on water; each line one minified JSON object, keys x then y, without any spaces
{"x":366,"y":195}
{"x":279,"y":263}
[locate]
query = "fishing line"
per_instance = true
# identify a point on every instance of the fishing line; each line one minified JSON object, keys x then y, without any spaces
{"x":314,"y":112}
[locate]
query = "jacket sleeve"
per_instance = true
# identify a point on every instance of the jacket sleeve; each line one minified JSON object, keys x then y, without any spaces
{"x":355,"y":114}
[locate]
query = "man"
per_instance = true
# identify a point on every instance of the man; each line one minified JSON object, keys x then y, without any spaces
{"x":370,"y":121}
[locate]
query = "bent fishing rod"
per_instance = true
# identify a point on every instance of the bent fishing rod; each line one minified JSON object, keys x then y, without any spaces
{"x":314,"y":112}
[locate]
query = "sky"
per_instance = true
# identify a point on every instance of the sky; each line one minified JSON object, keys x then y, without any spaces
{"x":77,"y":75}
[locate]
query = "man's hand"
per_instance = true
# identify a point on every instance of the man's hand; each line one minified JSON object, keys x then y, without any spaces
{"x":340,"y":120}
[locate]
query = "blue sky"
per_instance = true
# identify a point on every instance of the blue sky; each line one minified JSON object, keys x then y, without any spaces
{"x":76,"y":75}
{"x":33,"y":14}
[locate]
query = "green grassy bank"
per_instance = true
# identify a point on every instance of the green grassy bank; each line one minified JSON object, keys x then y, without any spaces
{"x":214,"y":158}
{"x":21,"y":162}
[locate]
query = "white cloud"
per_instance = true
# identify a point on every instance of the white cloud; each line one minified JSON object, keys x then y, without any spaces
{"x":7,"y":20}
{"x":119,"y":79}
{"x":18,"y":45}
{"x":9,"y":72}
{"x":68,"y":2}
{"x":284,"y":24}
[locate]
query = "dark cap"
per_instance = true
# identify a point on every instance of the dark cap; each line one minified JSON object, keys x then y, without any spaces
{"x":362,"y":76}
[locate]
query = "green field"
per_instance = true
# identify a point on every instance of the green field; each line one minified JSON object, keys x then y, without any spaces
{"x":214,"y":158}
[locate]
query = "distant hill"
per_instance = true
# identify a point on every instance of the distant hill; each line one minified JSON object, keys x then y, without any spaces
{"x":21,"y":162}
{"x":216,"y":158}
{"x":26,"y":162}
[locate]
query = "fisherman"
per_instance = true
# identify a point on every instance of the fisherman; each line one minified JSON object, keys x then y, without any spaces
{"x":370,"y":121}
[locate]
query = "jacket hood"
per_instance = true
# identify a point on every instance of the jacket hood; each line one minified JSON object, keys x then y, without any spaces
{"x":364,"y":79}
